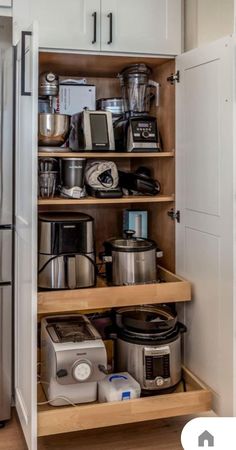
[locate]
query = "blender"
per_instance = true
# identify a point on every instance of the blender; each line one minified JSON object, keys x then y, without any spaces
{"x":136,"y":131}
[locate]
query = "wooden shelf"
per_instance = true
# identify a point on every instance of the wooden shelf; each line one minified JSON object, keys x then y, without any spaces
{"x":174,"y":289}
{"x":106,"y":201}
{"x":55,"y":420}
{"x":108,"y":155}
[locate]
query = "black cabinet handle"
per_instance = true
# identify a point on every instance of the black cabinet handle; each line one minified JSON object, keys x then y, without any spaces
{"x":23,"y":38}
{"x":111,"y":31}
{"x":94,"y":15}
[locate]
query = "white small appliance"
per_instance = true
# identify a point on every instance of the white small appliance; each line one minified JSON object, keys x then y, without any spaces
{"x":73,"y":359}
{"x":118,"y":387}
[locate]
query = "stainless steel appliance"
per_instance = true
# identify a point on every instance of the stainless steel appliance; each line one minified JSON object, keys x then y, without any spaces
{"x":49,"y":87}
{"x":130,"y":260}
{"x":72,"y":177}
{"x":6,"y":230}
{"x":136,"y":131}
{"x":113,"y":104}
{"x":149,"y":346}
{"x":92,"y":131}
{"x":53,"y":129}
{"x":66,"y":251}
{"x":73,"y":359}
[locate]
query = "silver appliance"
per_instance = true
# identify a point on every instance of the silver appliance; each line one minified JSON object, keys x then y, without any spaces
{"x":73,"y":359}
{"x":6,"y":228}
{"x":92,"y":131}
{"x":52,"y":129}
{"x":130,"y":260}
{"x":137,"y":131}
{"x":149,"y":346}
{"x":66,"y":251}
{"x":48,"y":87}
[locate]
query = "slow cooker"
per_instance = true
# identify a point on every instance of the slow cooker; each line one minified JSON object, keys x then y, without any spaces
{"x":130,"y":260}
{"x":149,"y":347}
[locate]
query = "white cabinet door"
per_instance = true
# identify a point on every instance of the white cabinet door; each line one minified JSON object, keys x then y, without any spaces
{"x":137,"y":26}
{"x":5,"y":4}
{"x":26,"y":235}
{"x":71,"y":24}
{"x":205,"y":198}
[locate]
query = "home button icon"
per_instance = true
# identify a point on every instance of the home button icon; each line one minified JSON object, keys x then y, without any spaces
{"x":207,"y":438}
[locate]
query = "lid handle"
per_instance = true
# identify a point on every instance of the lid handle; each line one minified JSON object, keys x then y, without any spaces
{"x":129,"y":234}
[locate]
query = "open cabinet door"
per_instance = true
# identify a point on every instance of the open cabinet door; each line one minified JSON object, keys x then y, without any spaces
{"x":204,"y":190}
{"x":26,"y":234}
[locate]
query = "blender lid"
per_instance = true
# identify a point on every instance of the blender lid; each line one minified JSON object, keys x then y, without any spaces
{"x":61,"y":217}
{"x":135,"y":69}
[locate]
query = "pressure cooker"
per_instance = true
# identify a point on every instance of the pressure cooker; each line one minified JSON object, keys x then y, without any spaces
{"x":149,"y":347}
{"x":130,"y":260}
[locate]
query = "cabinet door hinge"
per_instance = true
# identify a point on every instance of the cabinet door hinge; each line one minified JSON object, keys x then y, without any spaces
{"x":174,"y":215}
{"x":174,"y":78}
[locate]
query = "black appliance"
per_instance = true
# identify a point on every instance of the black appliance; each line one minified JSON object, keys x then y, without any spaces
{"x":139,"y":182}
{"x":66,"y":251}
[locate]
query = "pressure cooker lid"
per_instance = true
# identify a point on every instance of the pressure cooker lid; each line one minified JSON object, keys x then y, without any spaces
{"x":146,"y":319}
{"x":64,"y":217}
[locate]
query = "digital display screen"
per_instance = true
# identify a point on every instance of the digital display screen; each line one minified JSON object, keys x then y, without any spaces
{"x":158,"y":367}
{"x":99,"y":131}
{"x":143,"y":124}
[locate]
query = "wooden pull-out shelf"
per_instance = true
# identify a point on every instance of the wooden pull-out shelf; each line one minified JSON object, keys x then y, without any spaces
{"x":174,"y":289}
{"x":53,"y":153}
{"x":106,"y":201}
{"x":55,"y":420}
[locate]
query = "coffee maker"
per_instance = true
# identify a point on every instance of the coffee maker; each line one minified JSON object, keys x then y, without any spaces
{"x":136,"y":131}
{"x":66,"y":251}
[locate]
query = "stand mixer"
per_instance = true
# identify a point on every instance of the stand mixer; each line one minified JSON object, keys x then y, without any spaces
{"x":53,"y":128}
{"x":49,"y":87}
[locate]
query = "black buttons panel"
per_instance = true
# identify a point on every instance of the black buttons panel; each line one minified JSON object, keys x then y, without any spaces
{"x":157,"y":366}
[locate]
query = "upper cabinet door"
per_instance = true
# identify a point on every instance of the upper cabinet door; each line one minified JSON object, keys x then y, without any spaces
{"x":71,"y":24}
{"x":205,"y":197}
{"x":5,"y":3}
{"x":137,"y":26}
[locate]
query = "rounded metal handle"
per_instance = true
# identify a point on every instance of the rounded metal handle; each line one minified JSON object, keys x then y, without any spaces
{"x":110,"y":29}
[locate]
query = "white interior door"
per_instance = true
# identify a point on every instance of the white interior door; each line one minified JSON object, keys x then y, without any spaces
{"x":26,"y":235}
{"x":151,"y":26}
{"x":71,"y":24}
{"x":204,"y":190}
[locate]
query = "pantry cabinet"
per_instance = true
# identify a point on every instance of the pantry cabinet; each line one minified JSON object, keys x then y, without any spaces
{"x":196,"y":170}
{"x":122,"y":26}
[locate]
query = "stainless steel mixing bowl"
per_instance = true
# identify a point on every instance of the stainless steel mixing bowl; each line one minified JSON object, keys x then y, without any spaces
{"x":52,"y":128}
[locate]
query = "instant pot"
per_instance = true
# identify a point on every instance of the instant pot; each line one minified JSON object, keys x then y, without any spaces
{"x":149,"y":347}
{"x":130,"y":260}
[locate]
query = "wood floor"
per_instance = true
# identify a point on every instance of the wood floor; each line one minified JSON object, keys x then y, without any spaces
{"x":158,"y":435}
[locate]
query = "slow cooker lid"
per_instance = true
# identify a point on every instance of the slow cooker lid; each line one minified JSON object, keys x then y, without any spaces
{"x":138,"y":244}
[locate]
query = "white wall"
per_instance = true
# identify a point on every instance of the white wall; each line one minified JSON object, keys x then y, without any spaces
{"x":207,"y":20}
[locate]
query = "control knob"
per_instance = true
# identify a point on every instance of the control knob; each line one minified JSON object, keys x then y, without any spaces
{"x":82,"y":370}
